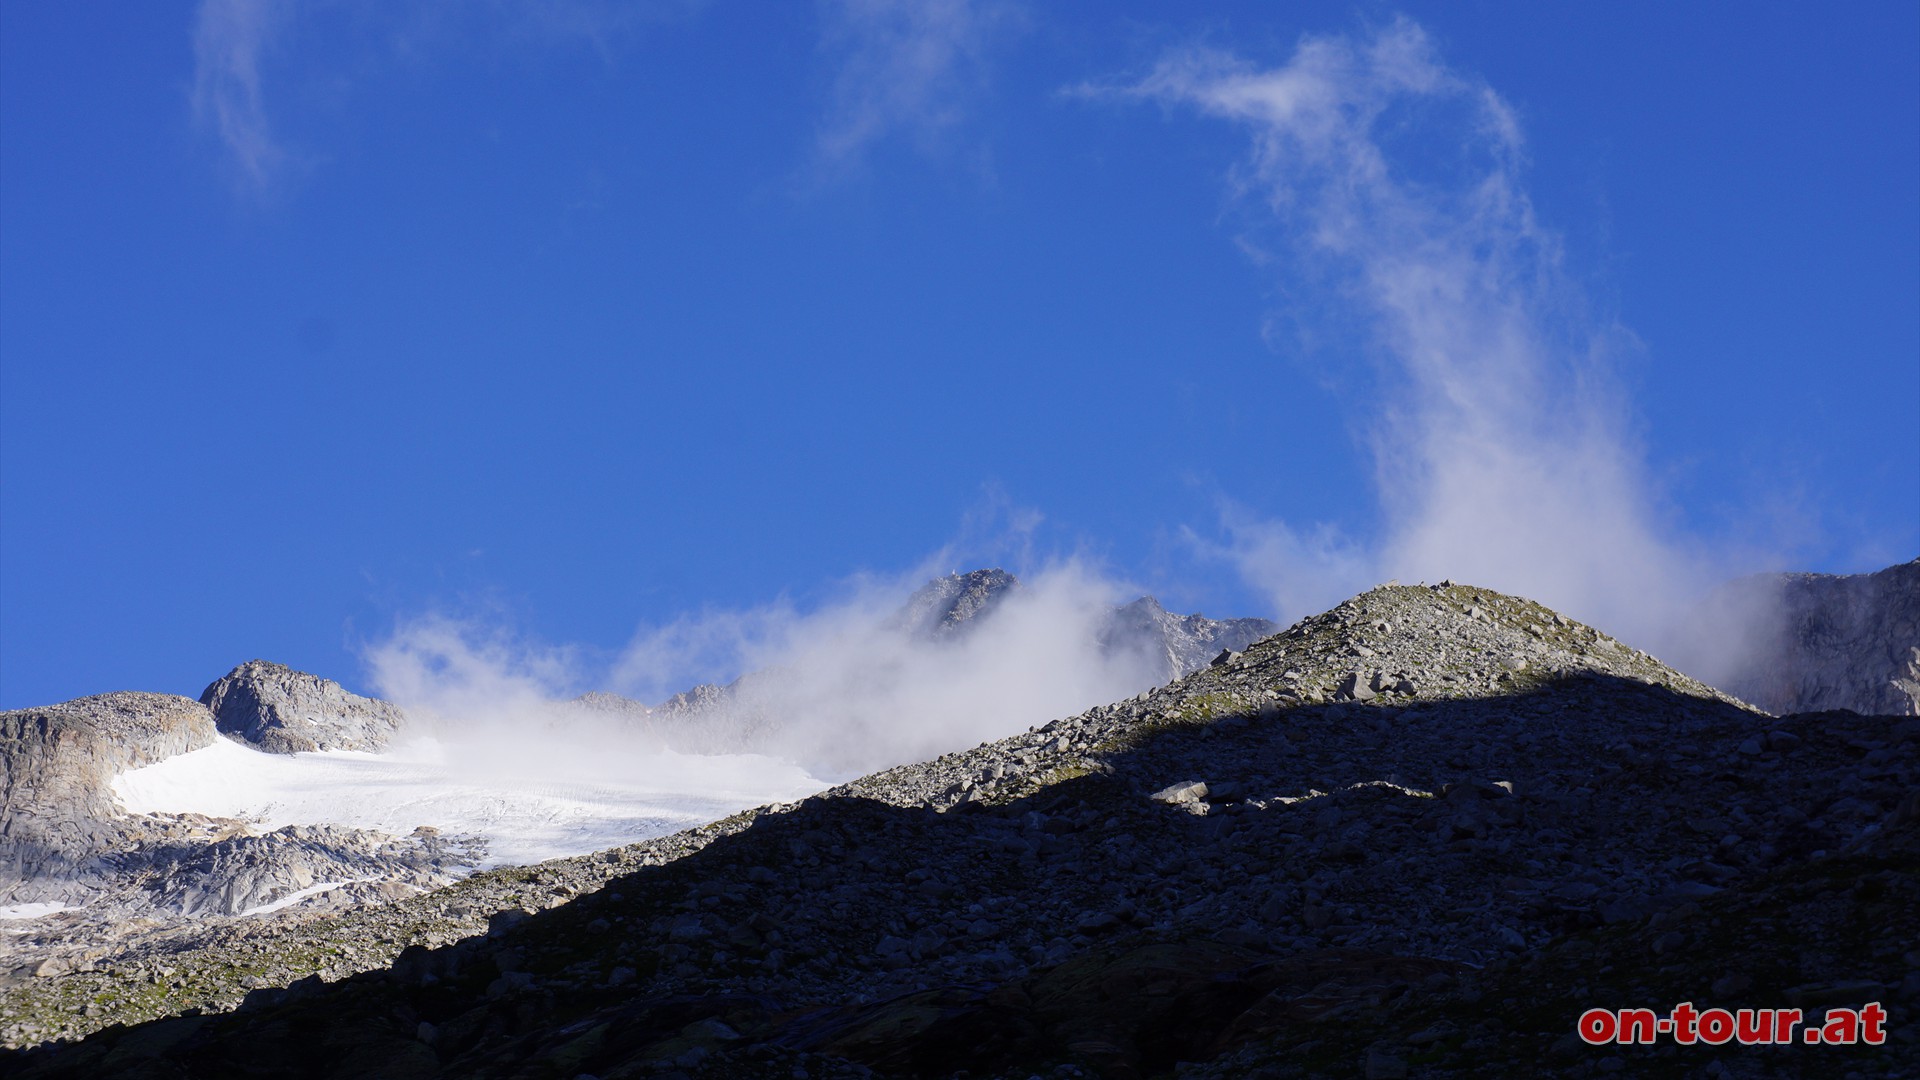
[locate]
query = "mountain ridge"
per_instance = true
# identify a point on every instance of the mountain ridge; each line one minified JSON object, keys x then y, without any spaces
{"x":171,"y":876}
{"x":1449,"y":818}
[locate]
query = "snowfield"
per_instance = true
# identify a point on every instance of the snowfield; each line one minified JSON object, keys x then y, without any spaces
{"x":28,"y":912}
{"x":529,"y":806}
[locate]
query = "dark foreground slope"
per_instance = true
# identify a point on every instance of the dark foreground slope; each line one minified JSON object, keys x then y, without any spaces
{"x":1415,"y":836}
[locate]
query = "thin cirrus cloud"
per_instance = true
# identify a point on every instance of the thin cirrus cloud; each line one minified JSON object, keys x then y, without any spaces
{"x":233,"y":41}
{"x":1501,"y":445}
{"x":230,"y":40}
{"x":904,"y":68}
{"x":901,"y":68}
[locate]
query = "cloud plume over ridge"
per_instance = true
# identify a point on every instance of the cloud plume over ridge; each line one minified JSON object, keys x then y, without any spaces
{"x":1502,"y":446}
{"x":1502,"y":450}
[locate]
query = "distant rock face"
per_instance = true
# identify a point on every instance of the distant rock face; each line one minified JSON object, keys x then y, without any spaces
{"x":1170,"y":645}
{"x":946,"y":607}
{"x":603,"y":703}
{"x":1833,"y":642}
{"x":1173,"y":645}
{"x":711,"y":719}
{"x":707,"y":719}
{"x":56,"y":765}
{"x":743,"y":714}
{"x":284,"y":711}
{"x":701,"y":698}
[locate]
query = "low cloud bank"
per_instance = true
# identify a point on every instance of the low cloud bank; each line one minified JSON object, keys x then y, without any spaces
{"x":841,"y":689}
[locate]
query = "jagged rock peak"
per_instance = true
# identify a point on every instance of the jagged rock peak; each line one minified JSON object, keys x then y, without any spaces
{"x":945,"y":606}
{"x":1830,"y":641}
{"x":602,"y":701}
{"x":1173,"y":645}
{"x":284,"y":711}
{"x":701,"y":698}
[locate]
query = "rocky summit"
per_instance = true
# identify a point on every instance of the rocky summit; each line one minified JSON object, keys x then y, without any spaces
{"x":949,"y":606}
{"x":1415,"y":836}
{"x":1168,"y":646}
{"x":283,"y":711}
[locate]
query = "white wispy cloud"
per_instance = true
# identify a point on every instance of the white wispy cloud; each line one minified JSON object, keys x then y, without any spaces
{"x":841,"y":687}
{"x":230,"y":39}
{"x":1502,"y":449}
{"x":848,"y":690}
{"x":235,"y":40}
{"x":467,"y":673}
{"x":900,"y":68}
{"x":911,"y":67}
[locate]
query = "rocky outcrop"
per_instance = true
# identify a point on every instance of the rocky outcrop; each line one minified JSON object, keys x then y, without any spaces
{"x":1255,"y":871}
{"x":1168,"y":646}
{"x":177,"y":882}
{"x":57,"y":813}
{"x":613,"y":706}
{"x":949,"y":606}
{"x":244,"y":874}
{"x":64,"y":756}
{"x":1825,"y":641}
{"x":283,"y":711}
{"x":741,"y":717}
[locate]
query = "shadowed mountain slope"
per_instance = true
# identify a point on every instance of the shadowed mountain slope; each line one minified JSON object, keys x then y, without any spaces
{"x":1416,"y":835}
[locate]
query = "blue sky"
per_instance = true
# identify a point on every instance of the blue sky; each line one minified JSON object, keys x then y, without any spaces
{"x":575,"y":318}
